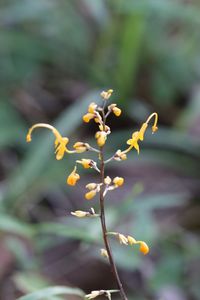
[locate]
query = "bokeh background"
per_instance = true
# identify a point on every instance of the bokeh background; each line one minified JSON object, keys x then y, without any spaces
{"x":55,"y":58}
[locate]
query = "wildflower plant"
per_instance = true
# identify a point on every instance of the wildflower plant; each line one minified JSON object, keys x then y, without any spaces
{"x":99,"y":114}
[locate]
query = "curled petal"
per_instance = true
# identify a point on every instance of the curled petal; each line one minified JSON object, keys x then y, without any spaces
{"x":60,"y":142}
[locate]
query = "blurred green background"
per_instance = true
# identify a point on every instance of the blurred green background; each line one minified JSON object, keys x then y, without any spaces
{"x":55,"y":58}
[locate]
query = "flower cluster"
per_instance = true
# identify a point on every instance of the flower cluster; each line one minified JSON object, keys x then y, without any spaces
{"x":99,"y":114}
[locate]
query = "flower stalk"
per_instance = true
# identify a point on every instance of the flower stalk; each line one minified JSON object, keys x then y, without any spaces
{"x":100,"y":114}
{"x":104,"y":228}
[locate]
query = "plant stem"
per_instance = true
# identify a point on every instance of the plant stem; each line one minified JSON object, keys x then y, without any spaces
{"x":104,"y":229}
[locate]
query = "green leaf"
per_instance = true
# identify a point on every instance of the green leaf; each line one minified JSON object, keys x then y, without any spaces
{"x":13,"y":225}
{"x":47,"y":293}
{"x":30,"y":281}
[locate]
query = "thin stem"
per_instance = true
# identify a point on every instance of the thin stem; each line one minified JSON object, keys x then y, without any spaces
{"x":104,"y":231}
{"x":103,"y":221}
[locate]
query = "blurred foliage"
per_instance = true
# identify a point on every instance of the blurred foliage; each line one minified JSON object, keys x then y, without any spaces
{"x":53,"y":57}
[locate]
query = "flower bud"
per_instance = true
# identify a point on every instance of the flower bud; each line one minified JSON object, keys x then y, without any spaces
{"x":90,"y":194}
{"x":107,"y":180}
{"x":117,"y":111}
{"x":87,"y":117}
{"x":144,"y":248}
{"x":119,"y":155}
{"x":104,"y":253}
{"x":86,"y":163}
{"x":81,"y":147}
{"x":118,"y":181}
{"x":79,"y":213}
{"x":92,"y":107}
{"x":28,"y":138}
{"x":106,"y":94}
{"x":154,"y":129}
{"x":73,"y":177}
{"x":91,"y":186}
{"x":101,"y":138}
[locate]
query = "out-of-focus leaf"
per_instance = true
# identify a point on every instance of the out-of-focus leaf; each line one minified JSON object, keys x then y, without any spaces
{"x":11,"y":224}
{"x":11,"y":125}
{"x":47,"y":293}
{"x":132,"y":33}
{"x":29,"y":282}
{"x":65,"y":231}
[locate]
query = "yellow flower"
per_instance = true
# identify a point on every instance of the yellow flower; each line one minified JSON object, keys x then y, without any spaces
{"x":87,"y":117}
{"x":117,"y":111}
{"x":142,"y":131}
{"x":73,"y":177}
{"x":139,"y":135}
{"x":81,"y":147}
{"x":118,"y":181}
{"x":60,"y":142}
{"x":101,"y":137}
{"x":86,"y":163}
{"x":113,"y":107}
{"x":106,"y":94}
{"x":79,"y":213}
{"x":92,"y":107}
{"x":133,"y":142}
{"x":143,"y":246}
{"x":90,"y":195}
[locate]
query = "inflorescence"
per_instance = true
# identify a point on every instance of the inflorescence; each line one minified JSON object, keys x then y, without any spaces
{"x":99,"y":114}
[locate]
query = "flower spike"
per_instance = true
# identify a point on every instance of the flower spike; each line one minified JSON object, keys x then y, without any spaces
{"x":99,"y":114}
{"x":60,"y":142}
